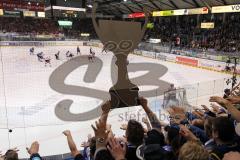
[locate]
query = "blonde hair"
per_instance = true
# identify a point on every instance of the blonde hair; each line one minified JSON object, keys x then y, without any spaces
{"x":193,"y":151}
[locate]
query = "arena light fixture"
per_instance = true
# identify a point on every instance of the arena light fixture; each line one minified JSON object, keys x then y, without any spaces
{"x":66,"y":8}
{"x":85,"y":34}
{"x":65,"y":23}
{"x":89,"y":6}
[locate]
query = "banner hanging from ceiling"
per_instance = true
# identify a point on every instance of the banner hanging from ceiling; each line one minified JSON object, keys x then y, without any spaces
{"x":226,"y":9}
{"x":179,"y":12}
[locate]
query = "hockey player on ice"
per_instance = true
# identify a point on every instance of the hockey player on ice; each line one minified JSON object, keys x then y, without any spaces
{"x":78,"y":50}
{"x":69,"y":54}
{"x":92,"y":52}
{"x":31,"y":51}
{"x":57,"y":55}
{"x":40,"y":57}
{"x":90,"y":57}
{"x":47,"y":61}
{"x":104,"y":50}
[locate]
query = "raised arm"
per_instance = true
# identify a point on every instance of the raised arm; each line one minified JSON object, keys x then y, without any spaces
{"x":235,"y":113}
{"x":151,"y":115}
{"x":234,"y":99}
{"x":145,"y":121}
{"x":34,"y":151}
{"x":71,"y":144}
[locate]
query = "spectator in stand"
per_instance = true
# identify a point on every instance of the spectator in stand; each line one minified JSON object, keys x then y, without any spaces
{"x":33,"y":151}
{"x":185,"y":32}
{"x":11,"y":154}
{"x":209,"y":145}
{"x":134,"y":136}
{"x":224,"y":136}
{"x":232,"y":156}
{"x":193,"y":151}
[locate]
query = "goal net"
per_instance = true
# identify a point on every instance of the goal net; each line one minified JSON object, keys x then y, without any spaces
{"x":176,"y":97}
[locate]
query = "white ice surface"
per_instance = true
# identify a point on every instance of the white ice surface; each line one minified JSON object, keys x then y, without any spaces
{"x":30,"y":102}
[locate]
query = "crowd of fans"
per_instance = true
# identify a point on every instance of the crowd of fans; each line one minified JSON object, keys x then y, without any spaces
{"x":28,"y":26}
{"x":223,"y":37}
{"x":209,"y":133}
{"x":33,"y":27}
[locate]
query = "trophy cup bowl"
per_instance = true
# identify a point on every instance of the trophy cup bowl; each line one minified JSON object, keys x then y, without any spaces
{"x":121,"y":37}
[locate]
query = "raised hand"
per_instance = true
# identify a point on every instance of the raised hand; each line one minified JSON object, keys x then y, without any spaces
{"x":106,"y":107}
{"x":185,"y":132}
{"x":34,"y":149}
{"x":117,"y":150}
{"x":205,"y":107}
{"x":234,"y":99}
{"x":215,"y":108}
{"x":221,"y":101}
{"x":143,"y":101}
{"x":67,"y":132}
{"x":101,"y":133}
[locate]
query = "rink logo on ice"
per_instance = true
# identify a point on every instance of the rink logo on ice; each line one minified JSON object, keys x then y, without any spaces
{"x":57,"y":83}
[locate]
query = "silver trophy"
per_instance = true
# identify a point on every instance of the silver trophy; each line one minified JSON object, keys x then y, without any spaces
{"x":121,"y":38}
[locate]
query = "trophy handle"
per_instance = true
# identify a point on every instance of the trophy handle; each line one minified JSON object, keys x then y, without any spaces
{"x":97,"y":29}
{"x":145,"y":23}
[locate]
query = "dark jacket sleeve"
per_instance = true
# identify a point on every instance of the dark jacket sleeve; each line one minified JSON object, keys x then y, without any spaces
{"x":35,"y":157}
{"x":102,"y":154}
{"x":79,"y":157}
{"x":199,"y":133}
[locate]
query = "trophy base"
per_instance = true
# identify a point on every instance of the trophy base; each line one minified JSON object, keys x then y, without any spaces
{"x":121,"y":98}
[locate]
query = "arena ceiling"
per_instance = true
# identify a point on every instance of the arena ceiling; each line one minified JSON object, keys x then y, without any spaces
{"x":119,"y":7}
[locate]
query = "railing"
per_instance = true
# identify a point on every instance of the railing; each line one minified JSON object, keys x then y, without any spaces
{"x":66,"y":156}
{"x":37,"y":37}
{"x":209,"y":54}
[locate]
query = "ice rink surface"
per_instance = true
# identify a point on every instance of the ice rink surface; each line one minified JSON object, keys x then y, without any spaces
{"x":27,"y":102}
